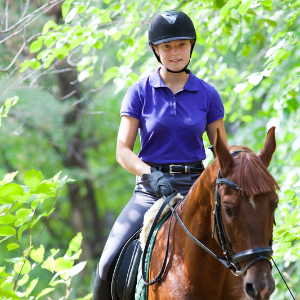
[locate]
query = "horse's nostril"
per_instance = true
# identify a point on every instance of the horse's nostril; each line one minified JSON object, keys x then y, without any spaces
{"x":250,"y":290}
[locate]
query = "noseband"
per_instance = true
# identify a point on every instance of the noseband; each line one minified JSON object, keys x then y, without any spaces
{"x":231,"y":259}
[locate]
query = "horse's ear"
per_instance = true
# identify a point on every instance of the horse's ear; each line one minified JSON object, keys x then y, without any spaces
{"x":269,"y":147}
{"x":223,"y":154}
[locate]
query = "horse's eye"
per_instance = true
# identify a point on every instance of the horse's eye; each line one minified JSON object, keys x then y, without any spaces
{"x":228,"y":211}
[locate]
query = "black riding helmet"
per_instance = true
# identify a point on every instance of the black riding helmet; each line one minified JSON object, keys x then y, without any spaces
{"x":170,"y":26}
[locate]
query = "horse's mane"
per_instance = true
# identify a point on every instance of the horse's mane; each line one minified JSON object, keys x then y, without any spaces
{"x":254,"y":177}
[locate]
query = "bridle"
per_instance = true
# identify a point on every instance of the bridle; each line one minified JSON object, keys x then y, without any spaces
{"x":232,"y":260}
{"x":229,"y":260}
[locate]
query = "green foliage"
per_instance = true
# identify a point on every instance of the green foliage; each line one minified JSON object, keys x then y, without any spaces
{"x":22,"y":222}
{"x":7,"y":105}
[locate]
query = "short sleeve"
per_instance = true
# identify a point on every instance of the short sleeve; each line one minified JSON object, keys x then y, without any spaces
{"x":132,"y":103}
{"x":216,"y":108}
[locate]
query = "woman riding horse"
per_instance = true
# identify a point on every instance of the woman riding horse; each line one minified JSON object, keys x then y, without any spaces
{"x":172,"y":109}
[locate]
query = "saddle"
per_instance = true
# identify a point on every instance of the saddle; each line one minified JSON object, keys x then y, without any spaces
{"x":125,"y":274}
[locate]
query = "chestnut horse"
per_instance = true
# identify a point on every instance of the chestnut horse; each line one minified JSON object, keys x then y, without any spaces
{"x":246,"y":199}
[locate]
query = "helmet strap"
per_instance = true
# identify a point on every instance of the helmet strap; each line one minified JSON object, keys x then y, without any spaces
{"x":185,"y":69}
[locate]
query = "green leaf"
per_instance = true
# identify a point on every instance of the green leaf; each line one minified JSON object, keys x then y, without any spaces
{"x":240,"y":87}
{"x":23,"y":280}
{"x":33,"y":178}
{"x":243,"y":8}
{"x":31,"y":286}
{"x":7,"y":105}
{"x":36,"y":46}
{"x":231,"y":72}
{"x":12,"y":246}
{"x":110,"y":74}
{"x":83,"y":75}
{"x":11,"y":295}
{"x":98,"y":45}
{"x":260,"y":37}
{"x":267,"y":3}
{"x":48,"y":60}
{"x":71,"y":15}
{"x":44,"y":292}
{"x":55,"y":178}
{"x":22,"y":216}
{"x":7,"y":219}
{"x":38,"y":218}
{"x":34,"y":64}
{"x":82,"y":9}
{"x":4,"y":239}
{"x":22,"y":268}
{"x":246,"y":50}
{"x":7,"y":199}
{"x":225,"y":10}
{"x":47,"y":187}
{"x":290,"y":193}
{"x":76,"y":255}
{"x":8,"y":177}
{"x":38,"y":254}
{"x":292,"y":19}
{"x":11,"y":189}
{"x":24,"y":65}
{"x":21,"y":230}
{"x":271,"y":23}
{"x":255,"y":78}
{"x":54,"y":252}
{"x":65,"y":8}
{"x":296,"y":82}
{"x":76,"y":242}
{"x":77,"y":269}
{"x":50,"y":24}
{"x":247,"y":118}
{"x":62,"y":264}
{"x":49,"y":264}
{"x":277,"y":36}
{"x":88,"y":297}
{"x":7,"y":231}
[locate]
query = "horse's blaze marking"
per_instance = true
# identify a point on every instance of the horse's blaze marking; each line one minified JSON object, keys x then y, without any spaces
{"x":251,"y":200}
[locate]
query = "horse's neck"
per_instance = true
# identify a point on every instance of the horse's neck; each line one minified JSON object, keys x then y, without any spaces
{"x":198,"y":205}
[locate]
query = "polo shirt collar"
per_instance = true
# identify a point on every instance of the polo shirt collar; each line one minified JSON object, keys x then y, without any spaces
{"x":155,"y":79}
{"x":191,"y":85}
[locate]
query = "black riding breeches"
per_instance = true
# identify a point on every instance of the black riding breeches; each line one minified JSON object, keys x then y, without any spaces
{"x":131,"y":218}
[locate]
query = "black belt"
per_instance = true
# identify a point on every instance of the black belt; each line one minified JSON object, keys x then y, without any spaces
{"x":180,"y":169}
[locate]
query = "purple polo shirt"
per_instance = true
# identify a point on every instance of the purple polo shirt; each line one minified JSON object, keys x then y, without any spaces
{"x":171,"y":125}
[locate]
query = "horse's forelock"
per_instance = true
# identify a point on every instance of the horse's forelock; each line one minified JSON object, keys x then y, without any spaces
{"x":254,"y":178}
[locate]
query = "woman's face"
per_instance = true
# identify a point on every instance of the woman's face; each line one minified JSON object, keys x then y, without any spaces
{"x":174,"y":55}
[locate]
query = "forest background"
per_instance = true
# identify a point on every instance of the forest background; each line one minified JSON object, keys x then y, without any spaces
{"x":64,"y":69}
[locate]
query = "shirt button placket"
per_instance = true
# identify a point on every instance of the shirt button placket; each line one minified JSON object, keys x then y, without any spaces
{"x":173,"y":106}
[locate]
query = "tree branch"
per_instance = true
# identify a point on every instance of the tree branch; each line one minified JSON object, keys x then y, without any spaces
{"x":46,"y":6}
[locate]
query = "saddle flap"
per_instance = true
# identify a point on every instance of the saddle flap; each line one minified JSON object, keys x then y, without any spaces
{"x":125,"y":273}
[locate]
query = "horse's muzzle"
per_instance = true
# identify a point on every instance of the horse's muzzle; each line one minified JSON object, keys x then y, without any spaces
{"x":258,"y":282}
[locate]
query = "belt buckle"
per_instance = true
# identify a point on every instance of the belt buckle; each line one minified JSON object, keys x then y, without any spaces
{"x":171,"y":169}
